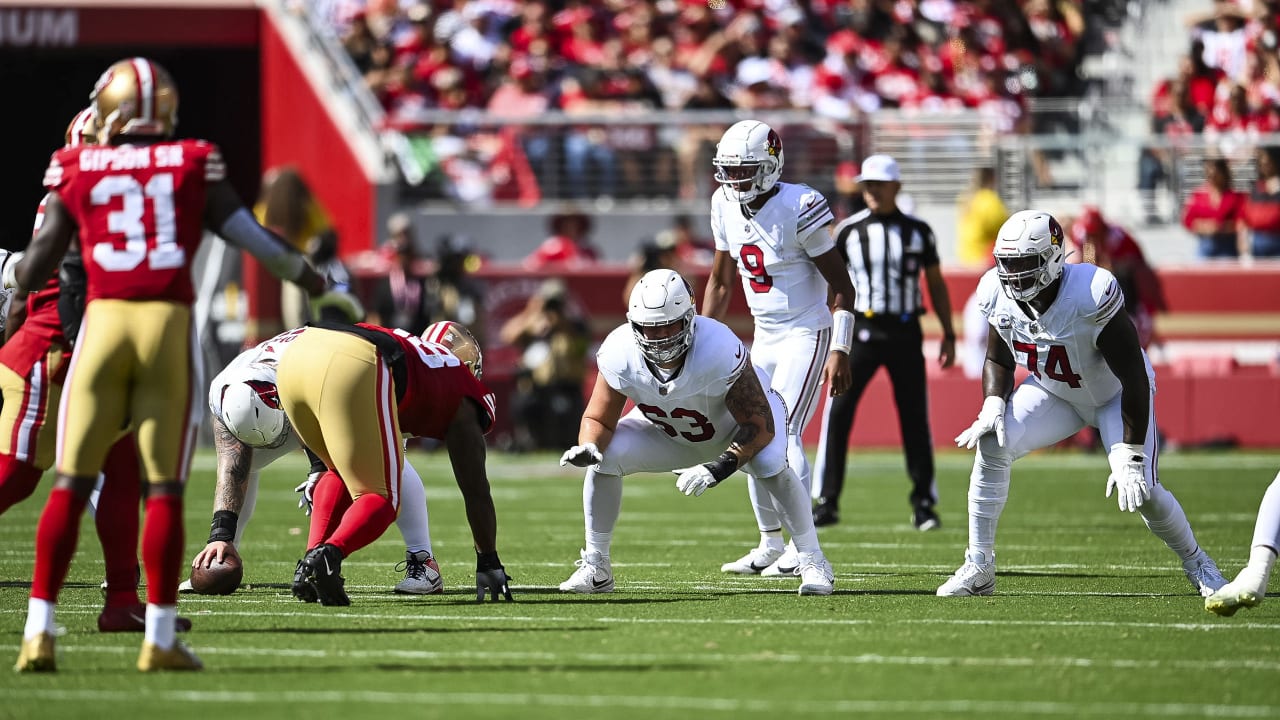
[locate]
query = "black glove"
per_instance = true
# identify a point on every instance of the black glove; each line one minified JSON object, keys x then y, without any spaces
{"x":491,"y":577}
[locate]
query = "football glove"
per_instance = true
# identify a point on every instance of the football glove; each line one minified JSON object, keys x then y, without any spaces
{"x":8,"y":266}
{"x":307,"y":489}
{"x":990,"y":419}
{"x":1128,"y":476}
{"x":584,"y":455}
{"x":491,"y":577}
{"x":695,"y":480}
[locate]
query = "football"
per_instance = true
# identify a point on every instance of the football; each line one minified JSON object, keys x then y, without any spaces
{"x":220,"y":578}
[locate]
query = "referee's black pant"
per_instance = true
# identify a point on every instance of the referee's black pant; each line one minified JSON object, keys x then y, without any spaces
{"x":896,"y":345}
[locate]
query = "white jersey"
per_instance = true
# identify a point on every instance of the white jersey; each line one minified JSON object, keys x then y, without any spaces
{"x":689,"y":407}
{"x":1061,"y":347}
{"x":256,"y":363}
{"x":773,"y":250}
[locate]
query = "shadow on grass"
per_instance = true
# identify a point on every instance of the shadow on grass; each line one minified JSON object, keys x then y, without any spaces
{"x":400,"y":630}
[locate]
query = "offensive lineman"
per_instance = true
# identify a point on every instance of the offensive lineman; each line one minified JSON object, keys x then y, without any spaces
{"x":1067,"y":325}
{"x":700,"y":408}
{"x":777,"y":236}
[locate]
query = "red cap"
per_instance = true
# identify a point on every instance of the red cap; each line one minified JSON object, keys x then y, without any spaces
{"x":1091,"y":220}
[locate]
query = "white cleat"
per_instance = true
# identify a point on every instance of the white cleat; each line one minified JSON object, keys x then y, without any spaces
{"x":787,"y":565}
{"x":816,"y":575}
{"x":1246,"y":591}
{"x":594,"y":575}
{"x":1203,"y":574}
{"x":977,"y":576}
{"x":421,"y":575}
{"x":754,"y":562}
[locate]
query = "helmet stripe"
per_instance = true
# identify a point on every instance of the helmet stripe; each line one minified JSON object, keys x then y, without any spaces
{"x":437,"y":331}
{"x":145,"y":79}
{"x":78,"y":127}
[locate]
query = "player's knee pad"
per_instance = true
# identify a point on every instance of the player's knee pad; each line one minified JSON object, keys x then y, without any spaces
{"x":991,"y":454}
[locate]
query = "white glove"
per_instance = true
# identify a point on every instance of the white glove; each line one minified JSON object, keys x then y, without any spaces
{"x":1128,"y":476}
{"x":990,"y":419}
{"x":695,"y":480}
{"x":307,"y":489}
{"x":583,"y":455}
{"x":8,"y":266}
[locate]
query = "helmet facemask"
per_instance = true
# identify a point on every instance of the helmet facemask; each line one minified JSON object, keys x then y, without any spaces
{"x":1029,"y":254}
{"x":666,"y":342}
{"x":748,"y":160}
{"x":1025,"y":276}
{"x":661,"y":314}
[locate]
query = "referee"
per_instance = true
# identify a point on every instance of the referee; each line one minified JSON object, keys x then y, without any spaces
{"x":885,"y":250}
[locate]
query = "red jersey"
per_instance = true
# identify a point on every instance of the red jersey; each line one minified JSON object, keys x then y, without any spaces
{"x":436,"y":383}
{"x":140,"y":209}
{"x":42,"y":306}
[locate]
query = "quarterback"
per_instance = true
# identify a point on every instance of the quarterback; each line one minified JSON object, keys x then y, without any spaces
{"x":776,"y":236}
{"x":139,"y":203}
{"x":1067,"y":325}
{"x":701,"y":411}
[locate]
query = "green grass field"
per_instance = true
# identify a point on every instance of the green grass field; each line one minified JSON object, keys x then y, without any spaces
{"x":1092,"y":616}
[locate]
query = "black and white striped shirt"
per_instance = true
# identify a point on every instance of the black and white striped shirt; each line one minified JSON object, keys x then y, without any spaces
{"x":884,"y":256}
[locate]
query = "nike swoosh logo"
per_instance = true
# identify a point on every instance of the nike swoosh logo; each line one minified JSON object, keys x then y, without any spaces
{"x":327,"y":570}
{"x":738,"y":354}
{"x":138,"y":618}
{"x":758,"y":568}
{"x":599,"y":583}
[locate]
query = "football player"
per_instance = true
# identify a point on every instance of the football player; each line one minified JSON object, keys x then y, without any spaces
{"x":700,"y":407}
{"x":139,"y":203}
{"x":349,"y":391}
{"x":1250,"y":586}
{"x":33,"y":363}
{"x":250,"y":432}
{"x":1067,"y":325}
{"x":777,"y":237}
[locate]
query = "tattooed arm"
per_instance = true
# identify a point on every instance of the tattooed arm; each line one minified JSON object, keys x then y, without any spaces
{"x":234,"y":459}
{"x":750,"y":409}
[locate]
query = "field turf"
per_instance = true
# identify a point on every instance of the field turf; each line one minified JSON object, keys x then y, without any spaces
{"x":1092,"y":616}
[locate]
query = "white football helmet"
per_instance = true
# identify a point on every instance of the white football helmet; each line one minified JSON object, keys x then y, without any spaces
{"x":748,"y":160}
{"x":662,"y":298}
{"x":1030,"y":253}
{"x":460,"y":342}
{"x":251,"y":411}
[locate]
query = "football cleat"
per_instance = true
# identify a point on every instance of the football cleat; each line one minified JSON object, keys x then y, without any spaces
{"x":321,"y":569}
{"x":594,"y":575}
{"x":301,"y":588}
{"x":184,"y":587}
{"x":36,"y":655}
{"x":977,"y":576}
{"x":825,"y":513}
{"x":787,"y":564}
{"x":1246,"y":591}
{"x":1203,"y":573}
{"x":816,"y":575}
{"x":132,"y":618}
{"x":179,"y":657}
{"x":421,"y":575}
{"x":754,"y":562}
{"x":924,"y":519}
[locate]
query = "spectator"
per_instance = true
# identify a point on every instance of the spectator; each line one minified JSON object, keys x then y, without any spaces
{"x":523,"y":95}
{"x":452,"y":293}
{"x":1178,"y":118}
{"x":658,"y":252}
{"x":568,"y":244}
{"x":982,"y":212}
{"x":1214,"y":210}
{"x":1109,"y":246}
{"x":400,"y":298}
{"x":287,"y":206}
{"x":548,"y":397}
{"x":1260,"y":234}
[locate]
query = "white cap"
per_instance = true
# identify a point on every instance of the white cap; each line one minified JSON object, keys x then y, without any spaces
{"x":880,"y":167}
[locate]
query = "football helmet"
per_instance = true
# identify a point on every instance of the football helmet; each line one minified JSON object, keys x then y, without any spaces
{"x":748,"y":160}
{"x":251,"y":411}
{"x":134,"y":97}
{"x":1030,"y":253}
{"x":81,"y":131}
{"x":460,"y":342}
{"x":659,"y":300}
{"x":338,"y":305}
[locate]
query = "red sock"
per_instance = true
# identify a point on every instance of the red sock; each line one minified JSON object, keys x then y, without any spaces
{"x":162,"y":539}
{"x":370,"y":516}
{"x":56,"y":538}
{"x":17,"y":481}
{"x":329,"y":502}
{"x":117,"y":522}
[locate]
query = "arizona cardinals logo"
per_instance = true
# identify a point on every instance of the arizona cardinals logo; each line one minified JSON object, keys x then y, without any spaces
{"x":266,"y":392}
{"x":773,"y":144}
{"x":1055,"y":232}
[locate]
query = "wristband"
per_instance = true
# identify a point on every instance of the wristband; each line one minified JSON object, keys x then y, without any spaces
{"x":223,"y":527}
{"x":723,"y":466}
{"x":486,"y":561}
{"x":842,"y":331}
{"x":317,"y":465}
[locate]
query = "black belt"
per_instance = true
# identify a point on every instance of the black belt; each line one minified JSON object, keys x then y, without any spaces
{"x":389,"y":350}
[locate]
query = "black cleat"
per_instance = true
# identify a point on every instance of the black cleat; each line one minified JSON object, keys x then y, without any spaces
{"x":321,"y":569}
{"x":825,"y":513}
{"x":924,"y":519}
{"x":301,"y":588}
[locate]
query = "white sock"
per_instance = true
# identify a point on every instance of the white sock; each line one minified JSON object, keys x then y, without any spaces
{"x":772,"y":540}
{"x":39,"y":617}
{"x":1262,"y":559}
{"x":161,"y":621}
{"x":790,"y":494}
{"x":768,"y":519}
{"x":413,"y":521}
{"x":601,"y":506}
{"x":1164,"y":516}
{"x":1266,"y":530}
{"x":988,"y":492}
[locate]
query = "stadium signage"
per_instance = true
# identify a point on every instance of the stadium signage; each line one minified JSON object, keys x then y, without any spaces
{"x":39,"y":27}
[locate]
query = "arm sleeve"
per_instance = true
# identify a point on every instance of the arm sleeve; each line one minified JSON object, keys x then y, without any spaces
{"x":241,"y":230}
